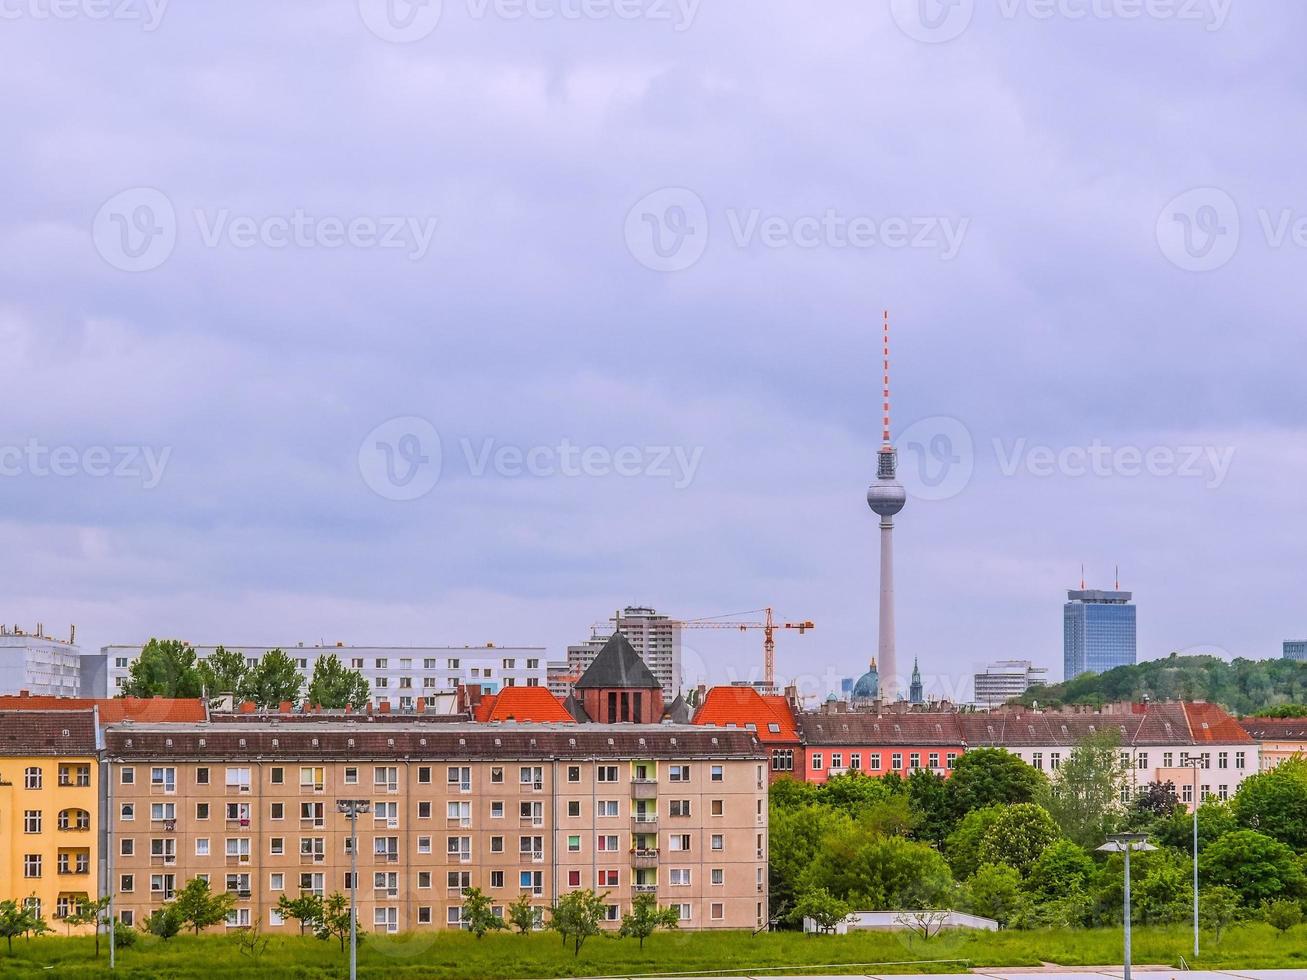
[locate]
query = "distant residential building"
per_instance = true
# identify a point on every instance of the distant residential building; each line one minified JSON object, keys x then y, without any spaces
{"x":838,"y":741}
{"x":397,"y":676}
{"x":1098,"y":631}
{"x":999,"y":682}
{"x":769,"y":716}
{"x":559,"y":678}
{"x":655,"y":637}
{"x":1280,"y":739}
{"x":38,"y":663}
{"x":1295,"y":649}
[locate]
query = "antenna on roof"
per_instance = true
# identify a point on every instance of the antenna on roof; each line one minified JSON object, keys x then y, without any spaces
{"x":885,"y":355}
{"x":1118,"y":578}
{"x":1082,"y":576}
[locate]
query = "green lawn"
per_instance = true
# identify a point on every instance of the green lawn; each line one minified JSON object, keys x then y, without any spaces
{"x":459,"y":955}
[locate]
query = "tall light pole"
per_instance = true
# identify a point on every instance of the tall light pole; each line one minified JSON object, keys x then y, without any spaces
{"x":1195,"y":761}
{"x":1127,"y":843}
{"x":352,"y":809}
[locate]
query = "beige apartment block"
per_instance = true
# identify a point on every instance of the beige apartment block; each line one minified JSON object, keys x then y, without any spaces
{"x":679,"y":812}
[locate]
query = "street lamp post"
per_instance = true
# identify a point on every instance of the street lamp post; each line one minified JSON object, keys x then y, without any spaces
{"x":352,"y":809}
{"x":1127,"y":843}
{"x":1195,"y":762}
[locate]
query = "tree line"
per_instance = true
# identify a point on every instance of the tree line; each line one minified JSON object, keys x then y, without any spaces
{"x":171,"y":669}
{"x":1240,"y":686}
{"x":999,"y":838}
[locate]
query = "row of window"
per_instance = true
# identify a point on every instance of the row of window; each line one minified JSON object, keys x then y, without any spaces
{"x":874,"y":760}
{"x":383,"y":663}
{"x":70,"y":774}
{"x":1141,"y":760}
{"x":69,"y":819}
{"x":313,"y":778}
{"x":66,"y":863}
{"x":387,"y":847}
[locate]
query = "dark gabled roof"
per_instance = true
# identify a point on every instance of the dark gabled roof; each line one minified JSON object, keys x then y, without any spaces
{"x":437,"y":743}
{"x":36,"y":732}
{"x":577,"y":710}
{"x":1264,"y":729}
{"x":617,"y":665}
{"x":678,"y":711}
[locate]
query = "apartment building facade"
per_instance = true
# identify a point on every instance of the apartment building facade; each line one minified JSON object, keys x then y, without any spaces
{"x":49,"y":786}
{"x":397,"y":676}
{"x":38,"y":663}
{"x":836,"y":742}
{"x":655,"y":637}
{"x":675,"y":811}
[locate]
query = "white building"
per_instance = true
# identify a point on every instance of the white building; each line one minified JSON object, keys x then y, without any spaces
{"x":38,"y":663}
{"x":655,"y":637}
{"x":398,"y":675}
{"x":1000,"y":682}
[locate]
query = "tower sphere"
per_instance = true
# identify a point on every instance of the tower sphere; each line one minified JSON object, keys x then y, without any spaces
{"x":886,"y":497}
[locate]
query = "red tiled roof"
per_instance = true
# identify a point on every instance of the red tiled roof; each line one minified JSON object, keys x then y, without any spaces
{"x":111,"y":709}
{"x":37,"y":732}
{"x":1264,"y":729}
{"x":738,"y":706}
{"x":1210,"y":723}
{"x":866,"y":728}
{"x":522,"y":704}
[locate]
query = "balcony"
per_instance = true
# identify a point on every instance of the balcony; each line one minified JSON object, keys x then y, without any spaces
{"x":644,"y":789}
{"x":234,"y":859}
{"x":643,"y":889}
{"x":163,"y":859}
{"x":392,"y":857}
{"x":311,"y":858}
{"x":452,"y":857}
{"x":456,"y":892}
{"x":644,"y":823}
{"x":531,"y":821}
{"x":534,"y":857}
{"x":76,"y":870}
{"x":644,"y":857}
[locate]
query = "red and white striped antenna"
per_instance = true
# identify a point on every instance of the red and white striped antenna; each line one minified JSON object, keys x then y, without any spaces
{"x":885,"y":353}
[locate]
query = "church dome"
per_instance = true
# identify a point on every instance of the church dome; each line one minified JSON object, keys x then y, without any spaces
{"x":868,"y":685}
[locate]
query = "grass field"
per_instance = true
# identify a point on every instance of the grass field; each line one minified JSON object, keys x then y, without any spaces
{"x":459,"y":955}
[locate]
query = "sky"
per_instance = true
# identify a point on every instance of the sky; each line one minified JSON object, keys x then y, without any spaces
{"x":374,"y":322}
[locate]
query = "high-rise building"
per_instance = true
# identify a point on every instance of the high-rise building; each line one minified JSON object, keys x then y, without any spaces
{"x":886,"y":497}
{"x":655,"y":637}
{"x":999,"y":682}
{"x":1098,"y":631}
{"x":1295,"y":649}
{"x":38,"y":663}
{"x":396,"y":676}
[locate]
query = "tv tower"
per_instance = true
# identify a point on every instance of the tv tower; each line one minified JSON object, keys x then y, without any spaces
{"x":886,"y":497}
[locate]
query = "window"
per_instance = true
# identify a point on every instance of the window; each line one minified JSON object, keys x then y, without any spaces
{"x":1168,"y":760}
{"x":238,"y":778}
{"x":1037,"y":759}
{"x":1187,"y":793}
{"x":351,"y":775}
{"x":31,"y":865}
{"x":574,"y":879}
{"x":680,"y":876}
{"x":1141,"y":760}
{"x":277,"y":846}
{"x":574,"y":842}
{"x":1223,"y":791}
{"x":608,"y":842}
{"x":202,"y":775}
{"x":573,"y":774}
{"x":717,"y":910}
{"x":716,"y":807}
{"x":816,"y":761}
{"x":1239,"y":760}
{"x":933,"y":760}
{"x":837,"y":760}
{"x":128,"y":917}
{"x":424,"y":915}
{"x":573,"y":808}
{"x":678,"y":774}
{"x":496,"y":774}
{"x":952,"y":759}
{"x":126,"y":883}
{"x":606,"y":774}
{"x":127,"y":775}
{"x":718,"y":842}
{"x":874,"y":763}
{"x":496,"y":879}
{"x":201,"y":847}
{"x":386,"y":778}
{"x":277,"y":776}
{"x":1223,"y":760}
{"x":719,"y":876}
{"x":312,"y":778}
{"x":605,"y":808}
{"x":678,"y":808}
{"x":496,"y":845}
{"x":424,"y":845}
{"x":680,"y":842}
{"x":32,"y":777}
{"x":424,"y":774}
{"x":201,"y":811}
{"x":683,"y":911}
{"x":127,"y":846}
{"x":31,"y":821}
{"x":608,"y":878}
{"x":127,"y":811}
{"x":718,"y":774}
{"x":1054,"y":760}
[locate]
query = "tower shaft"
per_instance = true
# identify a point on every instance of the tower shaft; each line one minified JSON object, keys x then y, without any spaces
{"x":885,"y":653}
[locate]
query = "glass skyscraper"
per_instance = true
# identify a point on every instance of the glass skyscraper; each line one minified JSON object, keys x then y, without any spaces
{"x":1098,"y":631}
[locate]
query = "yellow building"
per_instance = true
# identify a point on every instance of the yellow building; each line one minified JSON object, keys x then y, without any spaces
{"x":49,"y":807}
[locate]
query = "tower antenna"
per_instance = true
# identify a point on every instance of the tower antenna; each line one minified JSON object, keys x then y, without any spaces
{"x":885,"y":367}
{"x":1082,"y":576}
{"x":1118,"y":578}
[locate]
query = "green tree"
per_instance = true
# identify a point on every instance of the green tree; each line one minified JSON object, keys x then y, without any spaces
{"x":335,"y":920}
{"x":273,"y":681}
{"x":201,"y":908}
{"x":577,"y":915}
{"x":1215,"y":819}
{"x":877,"y":872}
{"x":89,"y":913}
{"x":963,"y":846}
{"x":1275,"y":803}
{"x":477,"y":916}
{"x":306,"y":910}
{"x":1163,"y":891}
{"x":522,"y":914}
{"x":796,"y":836}
{"x":1156,"y":799}
{"x":1283,"y":711}
{"x":165,"y":669}
{"x":788,"y":793}
{"x":15,"y":919}
{"x":222,"y":672}
{"x":928,"y":796}
{"x":335,"y":686}
{"x":824,"y":909}
{"x":983,"y":777}
{"x":1283,"y":914}
{"x":1018,"y":836}
{"x":994,"y":891}
{"x":646,"y":917}
{"x":164,"y":922}
{"x":1062,"y":868}
{"x":1084,"y":795}
{"x":1260,"y":868}
{"x":856,"y":792}
{"x":1218,"y":907}
{"x":250,"y":941}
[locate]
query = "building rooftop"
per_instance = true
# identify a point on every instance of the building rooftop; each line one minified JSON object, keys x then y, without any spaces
{"x":856,"y":727}
{"x":521,"y":704}
{"x":111,"y":709}
{"x":617,"y":665}
{"x":735,"y":706}
{"x":1265,"y":729}
{"x":54,"y":733}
